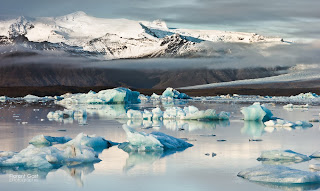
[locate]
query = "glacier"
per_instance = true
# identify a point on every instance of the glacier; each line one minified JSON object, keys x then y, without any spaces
{"x":279,"y":174}
{"x":153,"y":142}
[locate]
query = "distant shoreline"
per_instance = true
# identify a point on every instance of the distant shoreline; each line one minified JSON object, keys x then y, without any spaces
{"x":278,"y":89}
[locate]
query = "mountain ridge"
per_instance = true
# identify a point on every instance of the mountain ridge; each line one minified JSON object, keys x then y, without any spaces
{"x":117,"y":38}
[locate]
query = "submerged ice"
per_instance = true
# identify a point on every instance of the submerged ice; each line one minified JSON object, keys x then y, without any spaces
{"x":279,"y":174}
{"x":283,"y":156}
{"x":155,"y":141}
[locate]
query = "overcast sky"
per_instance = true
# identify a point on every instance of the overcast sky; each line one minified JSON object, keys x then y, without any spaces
{"x":298,"y":19}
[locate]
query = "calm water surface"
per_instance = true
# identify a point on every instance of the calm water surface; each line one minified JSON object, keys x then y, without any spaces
{"x":190,"y":169}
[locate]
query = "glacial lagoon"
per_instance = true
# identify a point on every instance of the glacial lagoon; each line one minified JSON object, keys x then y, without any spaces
{"x":221,"y":148}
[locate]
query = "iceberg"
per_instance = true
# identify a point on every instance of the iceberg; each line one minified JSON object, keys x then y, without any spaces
{"x":279,"y":174}
{"x":153,"y":142}
{"x":172,"y":93}
{"x":110,"y":96}
{"x":187,"y":113}
{"x":76,"y":151}
{"x":282,"y":156}
{"x":256,"y":112}
{"x":48,"y":140}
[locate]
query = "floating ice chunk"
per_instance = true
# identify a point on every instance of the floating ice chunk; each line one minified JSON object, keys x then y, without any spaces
{"x":282,"y":155}
{"x":309,"y":95}
{"x":155,"y":96}
{"x":279,"y":174}
{"x":50,"y":157}
{"x":170,"y":92}
{"x":31,"y":97}
{"x":76,"y":151}
{"x":48,"y":140}
{"x":170,"y":142}
{"x":116,"y":95}
{"x":256,"y":112}
{"x":284,"y":123}
{"x":93,"y":141}
{"x":315,"y":167}
{"x":3,"y":98}
{"x":303,"y":124}
{"x":295,"y":106}
{"x":143,"y":97}
{"x":173,"y":113}
{"x":315,"y":155}
{"x":156,"y":141}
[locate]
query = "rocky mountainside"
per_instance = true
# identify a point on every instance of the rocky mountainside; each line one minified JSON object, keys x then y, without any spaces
{"x":81,"y":34}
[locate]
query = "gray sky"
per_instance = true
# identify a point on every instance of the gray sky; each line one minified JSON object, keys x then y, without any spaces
{"x":296,"y":19}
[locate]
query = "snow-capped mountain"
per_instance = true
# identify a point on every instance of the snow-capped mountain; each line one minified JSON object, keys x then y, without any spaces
{"x":115,"y":38}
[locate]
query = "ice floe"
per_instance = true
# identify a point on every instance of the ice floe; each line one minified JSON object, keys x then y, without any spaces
{"x":256,"y":112}
{"x":279,"y":174}
{"x":282,"y":156}
{"x":155,"y":141}
{"x":76,"y":151}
